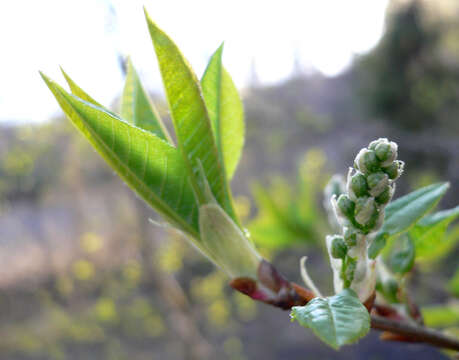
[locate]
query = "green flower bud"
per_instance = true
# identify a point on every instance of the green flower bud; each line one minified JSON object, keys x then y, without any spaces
{"x":366,"y":161}
{"x":365,"y":209}
{"x":391,"y":171}
{"x":338,"y":247}
{"x":359,"y":185}
{"x":346,"y":206}
{"x":384,"y":197}
{"x":394,"y":170}
{"x":377,"y":183}
{"x":371,"y":161}
{"x":350,"y":237}
{"x":386,"y":151}
{"x":383,"y":151}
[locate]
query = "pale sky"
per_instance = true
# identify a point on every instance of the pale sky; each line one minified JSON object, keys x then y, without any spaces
{"x":85,"y":36}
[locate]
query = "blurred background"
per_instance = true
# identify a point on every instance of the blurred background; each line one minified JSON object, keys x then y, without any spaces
{"x":85,"y":275}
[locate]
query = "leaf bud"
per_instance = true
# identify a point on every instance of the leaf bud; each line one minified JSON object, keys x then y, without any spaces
{"x":359,"y":185}
{"x":346,"y":206}
{"x":377,"y":183}
{"x":338,"y":247}
{"x":365,"y":209}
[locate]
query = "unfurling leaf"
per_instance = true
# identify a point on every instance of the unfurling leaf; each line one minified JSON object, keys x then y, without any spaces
{"x":225,"y":111}
{"x":149,"y":165}
{"x":190,"y":118}
{"x":337,"y":320}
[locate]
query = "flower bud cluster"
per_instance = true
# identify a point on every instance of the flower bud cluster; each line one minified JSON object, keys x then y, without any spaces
{"x":359,"y":211}
{"x":370,"y":187}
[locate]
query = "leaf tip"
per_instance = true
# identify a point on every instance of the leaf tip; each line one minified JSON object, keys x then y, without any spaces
{"x":66,"y":77}
{"x":145,"y":11}
{"x":45,"y":78}
{"x":150,"y":22}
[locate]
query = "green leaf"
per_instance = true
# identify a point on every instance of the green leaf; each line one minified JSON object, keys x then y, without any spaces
{"x":453,"y":284}
{"x":149,"y":165}
{"x":225,"y":111}
{"x":337,"y":320}
{"x":441,"y":315}
{"x":191,"y":120}
{"x":429,"y":233}
{"x":404,"y":212}
{"x":224,"y":241}
{"x":403,"y":253}
{"x":137,"y":108}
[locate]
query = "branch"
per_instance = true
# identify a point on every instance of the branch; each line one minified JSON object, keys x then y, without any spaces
{"x":273,"y":289}
{"x":414,"y":333}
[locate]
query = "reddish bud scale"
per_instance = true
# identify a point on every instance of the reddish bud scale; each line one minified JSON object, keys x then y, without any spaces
{"x":272,"y":288}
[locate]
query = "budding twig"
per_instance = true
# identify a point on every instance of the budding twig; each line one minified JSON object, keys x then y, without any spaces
{"x":285,"y":294}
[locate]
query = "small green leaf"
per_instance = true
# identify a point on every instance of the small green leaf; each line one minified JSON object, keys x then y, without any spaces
{"x":225,"y":111}
{"x":137,"y":108}
{"x":453,"y":284}
{"x":149,"y":165}
{"x":191,"y":120}
{"x":225,"y":243}
{"x":404,"y":212}
{"x":337,"y":320}
{"x":402,"y":256}
{"x":441,"y":315}
{"x":429,"y":233}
